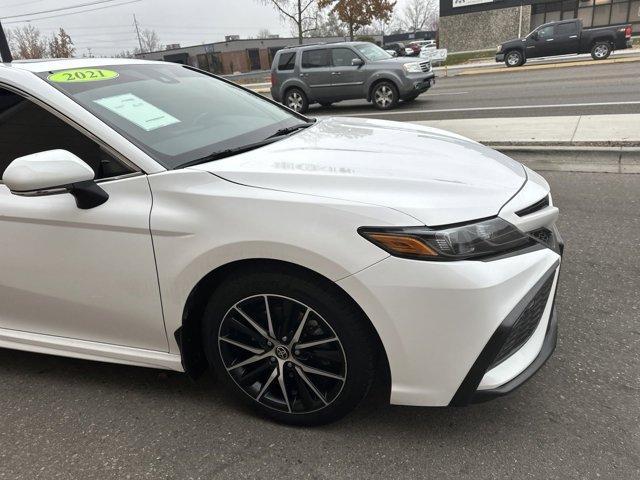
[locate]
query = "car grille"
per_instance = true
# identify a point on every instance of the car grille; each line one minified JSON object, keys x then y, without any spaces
{"x":425,"y":66}
{"x":525,"y":324}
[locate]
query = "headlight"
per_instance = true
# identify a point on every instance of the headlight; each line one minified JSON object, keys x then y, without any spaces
{"x":499,"y":49}
{"x":473,"y":240}
{"x":412,"y":67}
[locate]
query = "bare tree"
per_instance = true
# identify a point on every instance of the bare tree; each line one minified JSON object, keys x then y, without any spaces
{"x":27,"y":42}
{"x":300,"y":12}
{"x":61,"y":45}
{"x":150,"y":41}
{"x":263,"y":33}
{"x":420,"y":15}
{"x":329,"y":25}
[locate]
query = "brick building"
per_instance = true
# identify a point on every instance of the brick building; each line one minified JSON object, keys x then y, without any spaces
{"x":235,"y":55}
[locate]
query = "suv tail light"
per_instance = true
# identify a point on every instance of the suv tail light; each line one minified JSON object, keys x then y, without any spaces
{"x":274,"y":78}
{"x":627,"y":32}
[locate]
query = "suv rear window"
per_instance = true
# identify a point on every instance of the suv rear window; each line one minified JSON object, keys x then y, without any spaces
{"x":316,"y":58}
{"x":287,"y":61}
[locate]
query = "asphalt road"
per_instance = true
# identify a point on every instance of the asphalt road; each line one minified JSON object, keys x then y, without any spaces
{"x":578,"y":418}
{"x":561,"y":90}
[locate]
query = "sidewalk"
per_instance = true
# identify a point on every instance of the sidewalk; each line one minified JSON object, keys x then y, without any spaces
{"x":576,"y":130}
{"x":588,"y":143}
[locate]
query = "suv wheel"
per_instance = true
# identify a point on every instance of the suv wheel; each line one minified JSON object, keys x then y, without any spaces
{"x":289,"y":346}
{"x":514,"y":59}
{"x":601,"y":50}
{"x":385,"y":95}
{"x":296,"y":100}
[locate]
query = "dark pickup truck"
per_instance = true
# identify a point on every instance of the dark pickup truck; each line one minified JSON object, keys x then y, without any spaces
{"x":562,"y":38}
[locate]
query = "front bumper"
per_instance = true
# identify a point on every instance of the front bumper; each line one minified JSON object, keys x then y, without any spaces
{"x":417,"y":83}
{"x":436,"y":318}
{"x":499,"y":57}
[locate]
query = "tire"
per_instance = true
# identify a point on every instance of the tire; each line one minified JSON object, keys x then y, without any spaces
{"x":285,"y":359}
{"x":384,"y":95}
{"x":601,"y":50}
{"x":514,"y":58}
{"x":326,"y":104}
{"x":296,"y":100}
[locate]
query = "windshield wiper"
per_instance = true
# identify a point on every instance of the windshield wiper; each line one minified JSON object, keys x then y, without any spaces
{"x":229,"y":152}
{"x":293,"y":128}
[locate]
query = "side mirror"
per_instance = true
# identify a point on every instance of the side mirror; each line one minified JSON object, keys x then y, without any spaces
{"x":57,"y":169}
{"x":357,"y":62}
{"x":535,"y":36}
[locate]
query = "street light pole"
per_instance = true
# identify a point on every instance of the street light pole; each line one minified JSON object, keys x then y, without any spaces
{"x":5,"y":51}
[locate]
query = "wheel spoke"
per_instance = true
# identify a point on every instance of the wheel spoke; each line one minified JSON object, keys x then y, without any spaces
{"x":310,"y":384}
{"x":322,"y":373}
{"x":284,"y":391}
{"x":300,"y":346}
{"x":242,"y":345}
{"x":269,"y":321}
{"x":296,"y":336}
{"x":269,"y":381}
{"x":248,"y":361}
{"x":250,"y":321}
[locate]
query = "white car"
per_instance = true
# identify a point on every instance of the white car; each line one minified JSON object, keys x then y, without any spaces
{"x":155,"y":215}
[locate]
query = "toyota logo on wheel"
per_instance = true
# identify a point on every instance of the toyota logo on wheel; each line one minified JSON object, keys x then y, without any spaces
{"x":281,"y":352}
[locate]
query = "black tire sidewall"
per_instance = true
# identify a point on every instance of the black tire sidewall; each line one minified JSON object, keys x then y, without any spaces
{"x":393,"y":103}
{"x":520,"y":62}
{"x":346,"y":321}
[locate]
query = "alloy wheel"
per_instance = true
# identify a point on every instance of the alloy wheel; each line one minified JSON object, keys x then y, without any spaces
{"x":295,"y":101}
{"x":383,"y":96}
{"x":282,"y":353}
{"x":513,"y":59}
{"x":601,"y":51}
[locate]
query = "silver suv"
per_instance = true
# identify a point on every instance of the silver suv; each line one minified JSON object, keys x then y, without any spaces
{"x":328,"y":73}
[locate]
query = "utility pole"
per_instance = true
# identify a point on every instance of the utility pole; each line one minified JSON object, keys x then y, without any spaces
{"x":5,"y":51}
{"x":135,"y":22}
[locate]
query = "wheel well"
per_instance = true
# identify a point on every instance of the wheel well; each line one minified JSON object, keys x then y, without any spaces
{"x":373,"y":86}
{"x":291,"y":87}
{"x":188,"y":335}
{"x":514,"y":49}
{"x":601,"y":40}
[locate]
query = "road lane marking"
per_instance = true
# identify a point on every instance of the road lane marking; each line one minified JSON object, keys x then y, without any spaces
{"x":480,"y":109}
{"x":447,"y":93}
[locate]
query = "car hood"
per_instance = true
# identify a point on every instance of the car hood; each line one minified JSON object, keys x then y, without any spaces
{"x":512,"y":42}
{"x":398,"y":60}
{"x":434,"y":176}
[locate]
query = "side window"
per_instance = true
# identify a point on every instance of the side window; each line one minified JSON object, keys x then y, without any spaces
{"x":315,"y":58}
{"x":546,"y":32}
{"x":342,"y":57}
{"x":287,"y":61}
{"x":26,"y":128}
{"x":565,"y":29}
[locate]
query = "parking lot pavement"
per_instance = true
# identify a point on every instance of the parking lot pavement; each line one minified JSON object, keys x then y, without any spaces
{"x":579,"y":417}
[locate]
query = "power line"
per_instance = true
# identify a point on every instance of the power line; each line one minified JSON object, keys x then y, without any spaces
{"x":72,"y":13}
{"x":71,"y":7}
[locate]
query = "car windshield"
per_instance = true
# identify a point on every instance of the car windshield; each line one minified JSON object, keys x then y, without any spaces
{"x":372,"y":52}
{"x":175,"y":114}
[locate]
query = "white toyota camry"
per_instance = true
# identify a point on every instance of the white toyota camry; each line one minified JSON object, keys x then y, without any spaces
{"x":152,"y":214}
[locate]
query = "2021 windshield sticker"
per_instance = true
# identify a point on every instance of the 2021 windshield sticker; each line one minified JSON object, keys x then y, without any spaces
{"x":80,"y":75}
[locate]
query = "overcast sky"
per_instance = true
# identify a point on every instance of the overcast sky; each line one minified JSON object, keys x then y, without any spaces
{"x":188,"y":22}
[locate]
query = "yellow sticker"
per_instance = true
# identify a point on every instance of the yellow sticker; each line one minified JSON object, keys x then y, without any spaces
{"x":79,"y":75}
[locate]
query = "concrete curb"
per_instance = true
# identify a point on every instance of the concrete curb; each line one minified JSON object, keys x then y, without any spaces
{"x":619,"y":159}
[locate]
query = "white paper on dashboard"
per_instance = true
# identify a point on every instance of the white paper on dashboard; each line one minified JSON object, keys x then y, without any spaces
{"x":136,"y":110}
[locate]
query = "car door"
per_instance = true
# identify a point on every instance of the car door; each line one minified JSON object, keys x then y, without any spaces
{"x":541,"y":42}
{"x":315,"y":71}
{"x":565,"y":38}
{"x":347,"y":79}
{"x":68,"y":272}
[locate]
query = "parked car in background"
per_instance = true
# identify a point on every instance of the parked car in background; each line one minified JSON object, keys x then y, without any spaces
{"x":328,"y":73}
{"x":562,"y":38}
{"x":393,"y":53}
{"x":399,"y":48}
{"x":417,"y":45}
